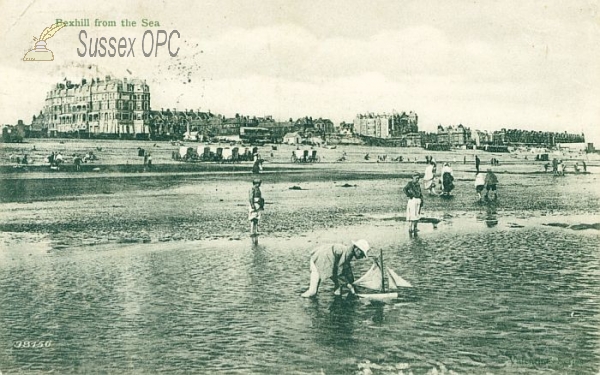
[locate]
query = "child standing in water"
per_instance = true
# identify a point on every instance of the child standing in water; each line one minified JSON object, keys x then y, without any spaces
{"x":414,"y":204}
{"x":256,"y":205}
{"x":490,"y":184}
{"x":479,"y":184}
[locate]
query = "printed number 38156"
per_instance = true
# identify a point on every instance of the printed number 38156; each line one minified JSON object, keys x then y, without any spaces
{"x":32,"y":344}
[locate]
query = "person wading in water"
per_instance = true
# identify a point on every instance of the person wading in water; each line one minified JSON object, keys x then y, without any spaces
{"x":333,"y":262}
{"x":256,"y":206}
{"x":415,"y":201}
{"x":490,"y":184}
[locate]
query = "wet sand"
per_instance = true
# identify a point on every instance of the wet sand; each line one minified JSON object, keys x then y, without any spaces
{"x":139,"y":272}
{"x":145,"y":207}
{"x":485,"y":299}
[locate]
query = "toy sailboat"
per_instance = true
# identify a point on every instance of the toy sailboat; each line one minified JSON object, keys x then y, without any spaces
{"x":373,"y":280}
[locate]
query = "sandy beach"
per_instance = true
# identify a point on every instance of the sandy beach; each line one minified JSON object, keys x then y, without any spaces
{"x":177,"y":200}
{"x":124,"y":263}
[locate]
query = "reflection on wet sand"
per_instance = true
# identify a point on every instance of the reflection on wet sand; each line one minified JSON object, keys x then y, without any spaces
{"x":166,"y":279}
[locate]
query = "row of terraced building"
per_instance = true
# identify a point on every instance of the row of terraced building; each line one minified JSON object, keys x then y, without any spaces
{"x":120,"y":108}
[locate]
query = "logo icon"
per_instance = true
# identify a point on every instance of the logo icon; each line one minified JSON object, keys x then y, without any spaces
{"x":40,"y":52}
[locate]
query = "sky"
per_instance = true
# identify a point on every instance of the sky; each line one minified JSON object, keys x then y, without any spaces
{"x":486,"y":64}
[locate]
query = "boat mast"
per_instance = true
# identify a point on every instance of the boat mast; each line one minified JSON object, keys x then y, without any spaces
{"x":382,"y":273}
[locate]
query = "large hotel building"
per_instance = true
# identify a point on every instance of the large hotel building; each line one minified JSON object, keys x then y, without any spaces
{"x":386,"y":125}
{"x":99,"y":107}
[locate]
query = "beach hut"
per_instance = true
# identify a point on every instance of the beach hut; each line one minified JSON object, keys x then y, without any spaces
{"x":227,"y":153}
{"x":183,"y":151}
{"x":206,"y":155}
{"x":292,"y":138}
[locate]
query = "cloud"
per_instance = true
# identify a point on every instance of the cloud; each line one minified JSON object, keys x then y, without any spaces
{"x":290,"y":51}
{"x":487,"y":65}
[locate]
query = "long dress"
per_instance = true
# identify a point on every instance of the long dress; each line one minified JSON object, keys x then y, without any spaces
{"x":428,"y":177}
{"x":447,"y":180}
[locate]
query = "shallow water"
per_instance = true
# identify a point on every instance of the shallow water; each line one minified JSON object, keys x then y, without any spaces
{"x":486,"y":300}
{"x":112,"y":278}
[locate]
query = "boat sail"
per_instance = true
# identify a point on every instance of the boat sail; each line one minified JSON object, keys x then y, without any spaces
{"x":373,"y":280}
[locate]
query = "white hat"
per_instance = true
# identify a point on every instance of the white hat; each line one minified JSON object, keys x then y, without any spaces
{"x":363,"y":245}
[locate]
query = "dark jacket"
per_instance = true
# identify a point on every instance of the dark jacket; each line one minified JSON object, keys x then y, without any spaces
{"x":491,"y":179}
{"x":413,"y":190}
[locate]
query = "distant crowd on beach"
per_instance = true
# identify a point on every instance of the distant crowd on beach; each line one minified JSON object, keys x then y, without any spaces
{"x":56,"y":159}
{"x":487,"y":182}
{"x":559,"y":167}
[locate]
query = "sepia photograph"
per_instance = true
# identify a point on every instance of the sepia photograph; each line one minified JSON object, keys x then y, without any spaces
{"x":300,"y":187}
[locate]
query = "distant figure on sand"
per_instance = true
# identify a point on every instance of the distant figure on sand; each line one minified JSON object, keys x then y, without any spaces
{"x":479,"y":184}
{"x":257,"y":166}
{"x":447,"y":179}
{"x":477,"y":163}
{"x":333,"y":262}
{"x":490,"y":184}
{"x":256,"y":206}
{"x":77,"y":162}
{"x":555,"y":166}
{"x":428,"y":179}
{"x":414,"y":204}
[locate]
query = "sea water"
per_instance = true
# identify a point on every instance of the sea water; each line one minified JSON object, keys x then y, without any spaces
{"x":500,"y":300}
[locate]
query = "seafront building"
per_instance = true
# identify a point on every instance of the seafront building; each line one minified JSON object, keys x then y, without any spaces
{"x":109,"y":107}
{"x":120,"y":108}
{"x":481,"y":137}
{"x":395,"y":129}
{"x":386,"y":125}
{"x":530,"y":137}
{"x":459,"y":135}
{"x":171,"y":123}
